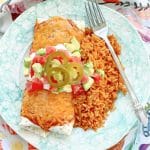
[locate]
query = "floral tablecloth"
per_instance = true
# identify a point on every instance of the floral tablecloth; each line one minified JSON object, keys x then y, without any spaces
{"x":135,"y":140}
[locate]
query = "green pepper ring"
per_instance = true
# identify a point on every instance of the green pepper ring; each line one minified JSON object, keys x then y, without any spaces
{"x":53,"y":56}
{"x":79,"y":70}
{"x":65,"y":73}
{"x":64,"y":67}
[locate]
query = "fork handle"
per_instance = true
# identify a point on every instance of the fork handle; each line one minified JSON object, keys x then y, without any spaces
{"x":137,"y":106}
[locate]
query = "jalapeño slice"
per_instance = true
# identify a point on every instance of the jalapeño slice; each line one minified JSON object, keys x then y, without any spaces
{"x":59,"y":83}
{"x":79,"y":71}
{"x":59,"y":54}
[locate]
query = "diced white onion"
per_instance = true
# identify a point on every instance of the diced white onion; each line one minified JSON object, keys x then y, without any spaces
{"x":46,"y":86}
{"x":32,"y":55}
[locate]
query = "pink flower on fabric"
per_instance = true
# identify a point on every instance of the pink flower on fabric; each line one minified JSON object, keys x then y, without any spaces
{"x":7,"y":127}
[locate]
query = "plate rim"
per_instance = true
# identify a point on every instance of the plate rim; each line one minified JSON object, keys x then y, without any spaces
{"x":106,"y":8}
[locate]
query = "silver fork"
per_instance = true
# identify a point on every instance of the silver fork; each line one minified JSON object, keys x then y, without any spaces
{"x":100,"y":28}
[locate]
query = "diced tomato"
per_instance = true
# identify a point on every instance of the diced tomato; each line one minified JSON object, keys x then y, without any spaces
{"x":31,"y":72}
{"x":77,"y":89}
{"x":96,"y":77}
{"x":50,"y":49}
{"x":75,"y":59}
{"x":84,"y":79}
{"x":37,"y":84}
{"x":34,"y":85}
{"x":29,"y":85}
{"x":81,"y":91}
{"x":39,"y":59}
{"x":53,"y":89}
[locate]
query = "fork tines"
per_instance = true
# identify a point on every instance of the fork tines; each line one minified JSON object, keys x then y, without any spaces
{"x":94,"y":13}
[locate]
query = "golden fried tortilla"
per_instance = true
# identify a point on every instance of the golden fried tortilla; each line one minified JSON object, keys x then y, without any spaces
{"x":55,"y":31}
{"x":42,"y":107}
{"x":47,"y":109}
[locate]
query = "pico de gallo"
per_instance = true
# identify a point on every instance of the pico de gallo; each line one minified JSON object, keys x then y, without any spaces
{"x":60,"y":69}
